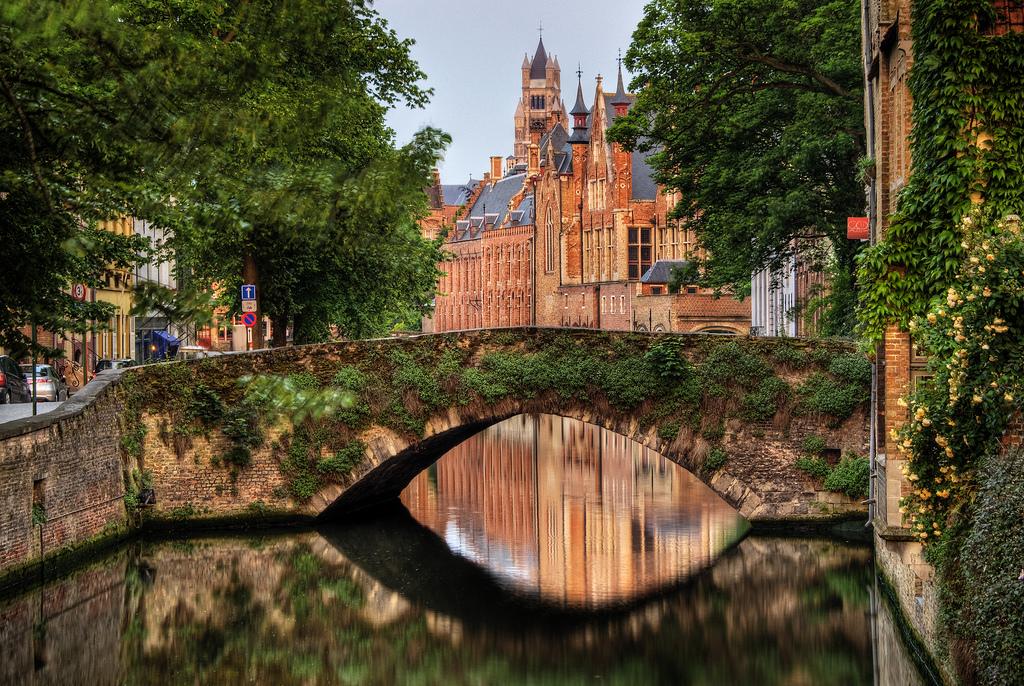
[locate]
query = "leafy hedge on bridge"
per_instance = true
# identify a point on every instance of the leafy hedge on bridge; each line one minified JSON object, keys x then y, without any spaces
{"x":330,"y":394}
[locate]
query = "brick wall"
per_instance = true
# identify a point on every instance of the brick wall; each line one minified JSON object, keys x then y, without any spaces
{"x":67,"y":461}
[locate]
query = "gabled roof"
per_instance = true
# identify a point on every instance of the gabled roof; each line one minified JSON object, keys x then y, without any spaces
{"x":564,"y":160}
{"x":661,"y":271}
{"x":524,"y":213}
{"x":556,"y":137}
{"x":644,"y":187}
{"x":494,"y":199}
{"x":458,"y":193}
{"x":538,"y":67}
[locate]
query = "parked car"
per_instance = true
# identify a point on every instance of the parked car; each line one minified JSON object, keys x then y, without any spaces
{"x":194,"y":352}
{"x":49,"y":384}
{"x":13,"y":388}
{"x":102,"y":365}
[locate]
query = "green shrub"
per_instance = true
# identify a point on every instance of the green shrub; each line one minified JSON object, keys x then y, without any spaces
{"x":814,"y":445}
{"x":815,"y":466}
{"x":133,"y":439}
{"x":980,"y":594}
{"x":627,"y":382}
{"x":242,"y":425}
{"x":850,"y":476}
{"x":789,"y":355}
{"x":666,"y":359}
{"x":449,"y":364}
{"x":852,"y":368}
{"x":237,"y":456}
{"x":205,"y":405}
{"x":483,"y":384}
{"x":343,"y":461}
{"x":668,"y":431}
{"x":304,"y":381}
{"x":716,"y":459}
{"x":761,"y":405}
{"x":729,"y":363}
{"x":349,"y":378}
{"x":410,"y":374}
{"x":38,"y":514}
{"x":304,"y":486}
{"x":820,"y":393}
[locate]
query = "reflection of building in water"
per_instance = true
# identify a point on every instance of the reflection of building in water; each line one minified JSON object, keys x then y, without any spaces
{"x":570,"y":511}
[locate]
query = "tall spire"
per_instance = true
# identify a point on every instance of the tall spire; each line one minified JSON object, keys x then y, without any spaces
{"x":540,"y":62}
{"x":579,"y":113}
{"x":620,"y":99}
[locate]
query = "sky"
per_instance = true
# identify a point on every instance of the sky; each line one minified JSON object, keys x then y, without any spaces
{"x":472,"y":53}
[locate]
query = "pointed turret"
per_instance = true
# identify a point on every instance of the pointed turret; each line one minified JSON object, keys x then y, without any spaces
{"x":579,"y":113}
{"x":620,"y":101}
{"x":538,"y":67}
{"x":526,"y":61}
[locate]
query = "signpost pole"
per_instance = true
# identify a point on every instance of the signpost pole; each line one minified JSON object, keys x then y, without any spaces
{"x":35,"y":397}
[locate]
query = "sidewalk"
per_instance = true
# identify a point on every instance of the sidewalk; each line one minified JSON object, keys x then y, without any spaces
{"x":19,"y":410}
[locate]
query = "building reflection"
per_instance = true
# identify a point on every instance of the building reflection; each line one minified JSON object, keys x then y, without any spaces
{"x":570,"y":512}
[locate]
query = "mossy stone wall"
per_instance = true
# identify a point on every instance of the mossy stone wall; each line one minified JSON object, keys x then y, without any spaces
{"x":734,"y":411}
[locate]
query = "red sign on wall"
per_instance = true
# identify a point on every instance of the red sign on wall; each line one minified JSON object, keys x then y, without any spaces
{"x":858,"y":228}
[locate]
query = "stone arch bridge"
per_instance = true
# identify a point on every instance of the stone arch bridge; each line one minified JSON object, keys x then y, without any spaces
{"x":736,"y":412}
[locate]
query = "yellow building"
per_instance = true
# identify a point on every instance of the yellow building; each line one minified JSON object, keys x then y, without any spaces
{"x":117,"y":338}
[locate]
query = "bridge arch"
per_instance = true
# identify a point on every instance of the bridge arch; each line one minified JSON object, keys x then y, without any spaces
{"x":393,"y":461}
{"x":422,"y":395}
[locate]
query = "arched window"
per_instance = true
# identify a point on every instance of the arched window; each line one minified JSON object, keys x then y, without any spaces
{"x":549,"y":241}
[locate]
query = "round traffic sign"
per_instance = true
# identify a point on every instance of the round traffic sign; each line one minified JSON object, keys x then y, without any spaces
{"x":249,"y":319}
{"x":78,"y":292}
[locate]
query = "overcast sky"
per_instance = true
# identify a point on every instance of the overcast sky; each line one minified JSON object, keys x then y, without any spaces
{"x":472,"y":53}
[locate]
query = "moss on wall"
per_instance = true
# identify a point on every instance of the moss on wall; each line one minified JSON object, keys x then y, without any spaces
{"x":667,"y":382}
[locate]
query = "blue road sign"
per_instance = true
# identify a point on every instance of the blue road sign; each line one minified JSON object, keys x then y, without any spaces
{"x":249,"y":291}
{"x":249,"y":319}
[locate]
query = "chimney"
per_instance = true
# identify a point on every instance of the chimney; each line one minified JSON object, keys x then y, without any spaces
{"x":495,"y":167}
{"x":534,"y":160}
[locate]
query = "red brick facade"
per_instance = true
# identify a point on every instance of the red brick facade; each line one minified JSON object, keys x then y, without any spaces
{"x":592,"y":223}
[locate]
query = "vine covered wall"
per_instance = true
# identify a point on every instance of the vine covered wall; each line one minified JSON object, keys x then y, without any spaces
{"x":967,"y":145}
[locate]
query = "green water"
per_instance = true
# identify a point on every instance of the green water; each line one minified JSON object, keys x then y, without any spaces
{"x":541,"y":553}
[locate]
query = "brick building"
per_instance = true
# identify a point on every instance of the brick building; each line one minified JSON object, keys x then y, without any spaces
{"x":488,"y":281}
{"x":584,"y":216}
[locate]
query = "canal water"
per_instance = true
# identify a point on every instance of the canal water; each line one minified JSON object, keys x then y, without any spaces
{"x":540,"y":551}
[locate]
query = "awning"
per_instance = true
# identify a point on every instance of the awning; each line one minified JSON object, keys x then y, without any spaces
{"x":167,"y":338}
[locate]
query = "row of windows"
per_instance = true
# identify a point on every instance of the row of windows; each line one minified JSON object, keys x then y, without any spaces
{"x":610,"y":307}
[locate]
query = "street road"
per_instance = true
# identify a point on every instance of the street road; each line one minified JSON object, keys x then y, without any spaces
{"x":19,"y":410}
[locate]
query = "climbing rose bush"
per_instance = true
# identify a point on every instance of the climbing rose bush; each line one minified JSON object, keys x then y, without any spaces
{"x":974,"y":337}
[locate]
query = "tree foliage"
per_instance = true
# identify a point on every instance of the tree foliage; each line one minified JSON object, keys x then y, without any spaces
{"x":968,"y":125}
{"x":753,"y":110}
{"x":245,"y":127}
{"x":321,"y":201}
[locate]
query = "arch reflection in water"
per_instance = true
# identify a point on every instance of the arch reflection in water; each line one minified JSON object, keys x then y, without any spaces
{"x":571,"y":513}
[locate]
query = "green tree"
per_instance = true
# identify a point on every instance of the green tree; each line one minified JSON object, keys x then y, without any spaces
{"x":246,"y":128}
{"x":753,"y":110}
{"x":79,"y":120}
{"x":320,"y":211}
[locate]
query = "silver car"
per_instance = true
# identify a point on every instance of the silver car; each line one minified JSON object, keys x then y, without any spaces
{"x":49,"y":385}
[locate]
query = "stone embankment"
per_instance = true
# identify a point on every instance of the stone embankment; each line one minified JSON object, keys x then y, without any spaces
{"x":738,"y":413}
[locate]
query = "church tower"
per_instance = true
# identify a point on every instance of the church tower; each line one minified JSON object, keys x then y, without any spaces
{"x":541,"y":106}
